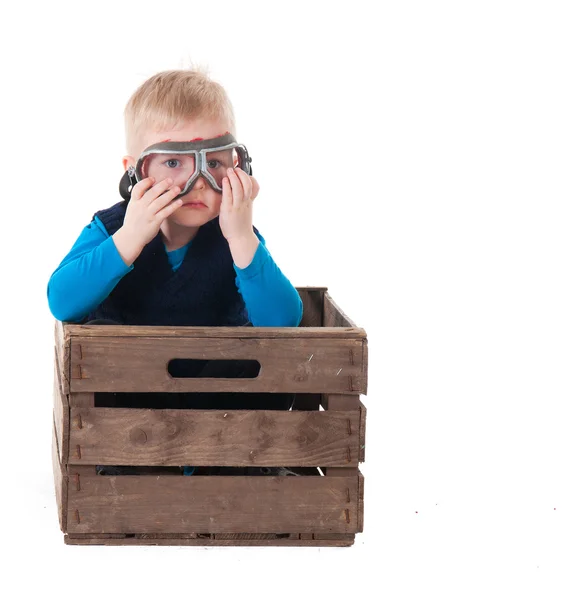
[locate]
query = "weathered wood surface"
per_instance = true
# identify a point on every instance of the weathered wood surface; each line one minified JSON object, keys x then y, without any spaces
{"x":346,"y":472}
{"x":361,"y":500}
{"x":261,"y":333}
{"x":127,"y":436}
{"x":341,"y":402}
{"x":212,"y":540}
{"x":60,"y":481}
{"x":312,"y":308}
{"x":362,"y":432}
{"x":139,"y":364}
{"x":82,"y":399}
{"x":62,"y":354}
{"x":148,"y":504}
{"x":60,"y":418}
{"x":218,"y":536}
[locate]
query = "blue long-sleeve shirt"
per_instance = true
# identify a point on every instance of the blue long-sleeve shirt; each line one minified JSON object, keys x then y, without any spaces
{"x":93,"y":267}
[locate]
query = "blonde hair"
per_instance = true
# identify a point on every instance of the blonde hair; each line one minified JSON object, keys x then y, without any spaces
{"x":170,"y":97}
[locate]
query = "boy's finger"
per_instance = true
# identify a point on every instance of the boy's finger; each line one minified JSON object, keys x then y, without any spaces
{"x":164,"y":199}
{"x":141,"y":187}
{"x":227,"y":196}
{"x":168,"y":210}
{"x":245,"y":182}
{"x":237,"y":189}
{"x":158,"y":189}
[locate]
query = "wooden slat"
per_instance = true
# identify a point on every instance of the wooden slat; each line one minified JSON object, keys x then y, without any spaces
{"x":307,"y":289}
{"x":139,"y":364}
{"x":263,"y":333}
{"x":60,"y":418}
{"x":127,"y":436}
{"x":312,"y":308}
{"x":361,"y":503}
{"x":333,"y":315}
{"x":341,"y":541}
{"x":60,"y":481}
{"x":362,"y":432}
{"x":341,"y":402}
{"x":365,"y":364}
{"x":252,"y":536}
{"x":82,"y":399}
{"x":345,"y":474}
{"x":334,"y":536}
{"x":62,"y":354}
{"x":341,"y":471}
{"x":146,"y":504}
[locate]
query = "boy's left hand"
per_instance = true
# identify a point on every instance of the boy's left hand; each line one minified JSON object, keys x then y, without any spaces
{"x":236,"y":211}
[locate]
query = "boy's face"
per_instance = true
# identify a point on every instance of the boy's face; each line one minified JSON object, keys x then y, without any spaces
{"x":202,"y":203}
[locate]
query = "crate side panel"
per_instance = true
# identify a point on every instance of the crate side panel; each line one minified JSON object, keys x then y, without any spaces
{"x":61,"y":418}
{"x":60,"y":482}
{"x":334,"y":315}
{"x":306,"y":365}
{"x":362,"y":431}
{"x":133,"y":504}
{"x":361,"y":500}
{"x":127,"y":436}
{"x":62,"y":355}
{"x":312,"y":308}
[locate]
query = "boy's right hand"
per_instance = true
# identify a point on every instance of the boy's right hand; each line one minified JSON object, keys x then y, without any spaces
{"x":150,"y":204}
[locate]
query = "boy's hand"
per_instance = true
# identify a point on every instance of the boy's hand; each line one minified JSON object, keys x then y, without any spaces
{"x":236,"y":215}
{"x":147,"y":209}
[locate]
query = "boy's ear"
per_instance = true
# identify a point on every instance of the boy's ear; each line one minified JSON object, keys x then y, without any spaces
{"x":128,"y":161}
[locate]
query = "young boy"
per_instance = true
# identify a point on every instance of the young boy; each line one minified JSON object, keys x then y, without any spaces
{"x":117,"y":269}
{"x":182,"y":250}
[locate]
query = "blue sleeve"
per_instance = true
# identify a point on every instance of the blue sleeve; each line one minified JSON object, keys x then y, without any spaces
{"x":270,"y":298}
{"x":86,"y":276}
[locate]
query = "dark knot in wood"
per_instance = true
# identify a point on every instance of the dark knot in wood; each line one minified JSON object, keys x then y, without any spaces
{"x":138,"y":436}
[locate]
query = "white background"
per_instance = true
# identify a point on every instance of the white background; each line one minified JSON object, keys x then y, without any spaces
{"x":411,"y":158}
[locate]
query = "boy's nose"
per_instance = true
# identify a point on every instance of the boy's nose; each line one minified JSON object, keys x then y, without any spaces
{"x":200,"y":183}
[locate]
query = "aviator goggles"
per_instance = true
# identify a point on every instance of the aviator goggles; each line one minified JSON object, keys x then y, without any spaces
{"x":185,"y":162}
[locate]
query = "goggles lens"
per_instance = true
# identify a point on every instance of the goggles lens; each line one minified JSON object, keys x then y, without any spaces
{"x":181,"y":167}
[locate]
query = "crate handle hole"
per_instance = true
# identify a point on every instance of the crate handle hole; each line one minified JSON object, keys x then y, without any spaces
{"x":184,"y":368}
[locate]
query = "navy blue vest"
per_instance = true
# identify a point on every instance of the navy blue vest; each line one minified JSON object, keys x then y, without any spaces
{"x":202,"y":292}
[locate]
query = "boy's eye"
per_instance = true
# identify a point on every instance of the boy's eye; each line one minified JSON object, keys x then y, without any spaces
{"x":172,"y":163}
{"x":213,"y":163}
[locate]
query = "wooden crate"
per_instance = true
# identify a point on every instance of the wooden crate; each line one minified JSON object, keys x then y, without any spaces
{"x":323,"y":362}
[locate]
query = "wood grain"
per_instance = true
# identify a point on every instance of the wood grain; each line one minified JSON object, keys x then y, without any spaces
{"x":62,"y":354}
{"x":60,"y":418}
{"x":312,"y":308}
{"x":127,"y":436}
{"x":343,"y":540}
{"x":60,"y":481}
{"x":148,"y":504}
{"x":139,"y":364}
{"x":361,"y":501}
{"x":265,"y":333}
